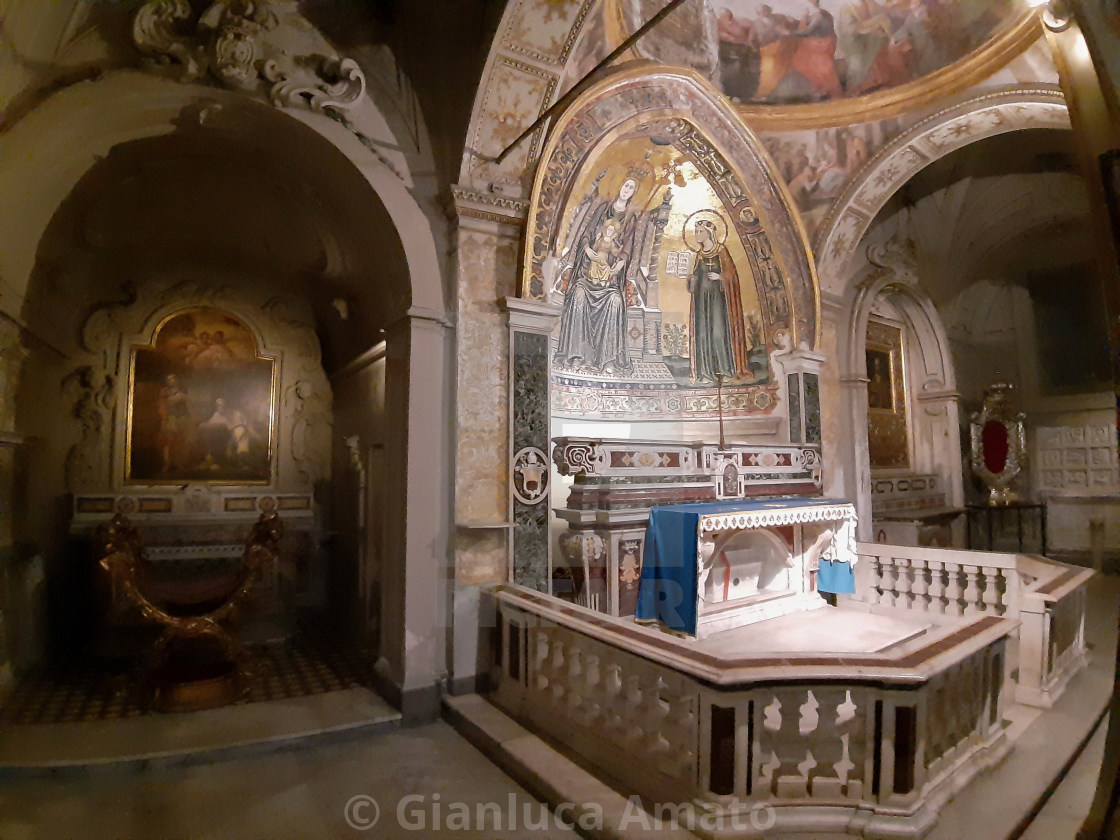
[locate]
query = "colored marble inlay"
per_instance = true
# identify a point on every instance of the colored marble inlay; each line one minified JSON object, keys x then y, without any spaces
{"x":812,"y":408}
{"x":794,"y":409}
{"x":530,"y":428}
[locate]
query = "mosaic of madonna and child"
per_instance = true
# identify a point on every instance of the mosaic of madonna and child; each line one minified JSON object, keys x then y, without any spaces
{"x":657,"y":292}
{"x":201,"y":403}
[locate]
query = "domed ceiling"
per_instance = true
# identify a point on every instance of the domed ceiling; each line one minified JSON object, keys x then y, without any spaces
{"x":810,"y":59}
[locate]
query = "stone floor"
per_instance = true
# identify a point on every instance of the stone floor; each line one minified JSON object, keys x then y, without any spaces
{"x":415,"y":776}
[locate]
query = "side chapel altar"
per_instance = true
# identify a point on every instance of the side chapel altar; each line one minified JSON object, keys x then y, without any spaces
{"x":717,"y":566}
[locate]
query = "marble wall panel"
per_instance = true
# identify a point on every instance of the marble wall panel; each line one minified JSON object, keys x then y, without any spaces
{"x":480,"y":557}
{"x":487,"y":272}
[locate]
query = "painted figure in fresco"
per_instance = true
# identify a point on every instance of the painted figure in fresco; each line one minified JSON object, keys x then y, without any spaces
{"x":717,"y":340}
{"x":876,"y":58}
{"x":176,"y":424}
{"x":593,"y":323}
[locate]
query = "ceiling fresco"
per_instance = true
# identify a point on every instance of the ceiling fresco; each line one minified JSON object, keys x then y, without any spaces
{"x":810,"y":54}
{"x":817,"y":50}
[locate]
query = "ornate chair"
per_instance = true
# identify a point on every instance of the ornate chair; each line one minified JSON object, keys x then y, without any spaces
{"x":196,"y":662}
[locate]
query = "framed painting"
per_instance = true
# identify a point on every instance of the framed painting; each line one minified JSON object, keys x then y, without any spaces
{"x":201,"y":403}
{"x":888,"y":437}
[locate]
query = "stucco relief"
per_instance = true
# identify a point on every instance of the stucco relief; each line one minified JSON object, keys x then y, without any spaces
{"x":974,"y":119}
{"x":487,"y":272}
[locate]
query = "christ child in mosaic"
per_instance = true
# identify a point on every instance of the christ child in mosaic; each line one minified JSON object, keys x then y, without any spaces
{"x":604,"y":255}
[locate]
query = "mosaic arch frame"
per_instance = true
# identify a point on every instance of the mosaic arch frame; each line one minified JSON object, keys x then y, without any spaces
{"x":941,"y":134}
{"x":725,"y":151}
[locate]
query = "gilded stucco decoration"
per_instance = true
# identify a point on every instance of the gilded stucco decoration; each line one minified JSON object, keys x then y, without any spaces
{"x":966,"y":122}
{"x":678,"y":266}
{"x":824,"y":63}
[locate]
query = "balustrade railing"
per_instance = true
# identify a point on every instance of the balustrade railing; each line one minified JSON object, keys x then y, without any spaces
{"x":943,"y":585}
{"x":880,"y":738}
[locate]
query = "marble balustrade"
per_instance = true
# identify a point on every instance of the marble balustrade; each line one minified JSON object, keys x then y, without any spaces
{"x":1048,"y":598}
{"x":872,"y":743}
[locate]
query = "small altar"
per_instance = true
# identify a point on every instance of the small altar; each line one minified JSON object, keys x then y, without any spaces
{"x":713,"y":567}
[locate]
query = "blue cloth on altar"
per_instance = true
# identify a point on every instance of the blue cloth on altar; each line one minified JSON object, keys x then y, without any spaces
{"x":667,"y":589}
{"x":837,"y":577}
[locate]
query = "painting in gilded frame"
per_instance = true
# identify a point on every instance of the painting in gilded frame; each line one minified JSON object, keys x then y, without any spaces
{"x":888,"y":437}
{"x":201,"y":403}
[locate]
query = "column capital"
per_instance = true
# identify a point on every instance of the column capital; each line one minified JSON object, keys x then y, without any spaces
{"x":531,"y":315}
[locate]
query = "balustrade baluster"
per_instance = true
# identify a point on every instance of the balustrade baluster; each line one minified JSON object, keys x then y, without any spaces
{"x":825,"y":744}
{"x":993,"y":600}
{"x":920,"y":585}
{"x":936,"y":587}
{"x":556,"y":669}
{"x":905,"y":583}
{"x":972,"y":602}
{"x":953,"y":589}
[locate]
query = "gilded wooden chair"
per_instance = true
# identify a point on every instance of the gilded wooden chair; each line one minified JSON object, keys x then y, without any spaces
{"x":196,"y":662}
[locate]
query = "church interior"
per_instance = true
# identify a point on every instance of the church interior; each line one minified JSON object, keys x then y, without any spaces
{"x":599,"y":403}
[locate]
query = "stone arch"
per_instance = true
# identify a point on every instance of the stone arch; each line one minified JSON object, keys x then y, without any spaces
{"x":129,"y":105}
{"x":932,"y":394}
{"x":43,"y":157}
{"x":976,"y":118}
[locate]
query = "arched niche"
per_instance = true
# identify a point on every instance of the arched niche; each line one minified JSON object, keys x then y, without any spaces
{"x":43,"y":160}
{"x":671,"y":137}
{"x":930,"y":394}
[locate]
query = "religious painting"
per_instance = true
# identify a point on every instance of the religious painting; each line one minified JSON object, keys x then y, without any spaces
{"x":201,"y":403}
{"x":805,"y":52}
{"x":660,"y":302}
{"x":880,"y":389}
{"x":888,"y":438}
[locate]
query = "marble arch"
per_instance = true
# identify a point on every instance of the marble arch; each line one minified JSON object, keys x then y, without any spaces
{"x":976,"y":118}
{"x":932,"y":382}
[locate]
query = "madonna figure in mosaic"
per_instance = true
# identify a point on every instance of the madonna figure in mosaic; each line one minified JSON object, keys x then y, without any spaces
{"x":717,"y":334}
{"x":593,"y":323}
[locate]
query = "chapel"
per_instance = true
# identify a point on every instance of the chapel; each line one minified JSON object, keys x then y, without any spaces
{"x":726,"y":392}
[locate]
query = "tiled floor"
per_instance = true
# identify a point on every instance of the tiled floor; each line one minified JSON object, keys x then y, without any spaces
{"x":313,"y":662}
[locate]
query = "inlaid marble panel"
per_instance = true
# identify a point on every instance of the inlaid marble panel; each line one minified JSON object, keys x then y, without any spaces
{"x":530,"y":429}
